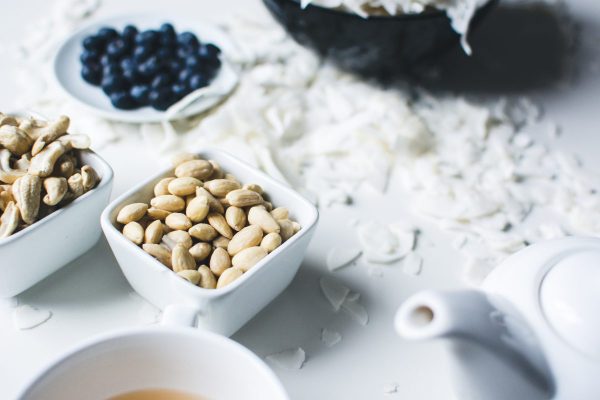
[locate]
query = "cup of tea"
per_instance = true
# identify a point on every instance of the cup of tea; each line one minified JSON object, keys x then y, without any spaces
{"x":172,"y":361}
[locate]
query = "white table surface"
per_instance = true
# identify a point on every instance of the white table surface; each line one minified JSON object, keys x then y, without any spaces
{"x":91,"y":296}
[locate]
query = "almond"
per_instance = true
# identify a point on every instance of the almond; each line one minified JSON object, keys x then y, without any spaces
{"x":181,"y":259}
{"x":168,"y":202}
{"x":154,"y":232}
{"x":162,"y":187}
{"x":220,"y":187}
{"x":190,"y":275}
{"x":248,"y":258}
{"x":236,"y":217}
{"x":160,"y":252}
{"x":218,"y":222}
{"x":228,"y":276}
{"x":248,"y":237}
{"x":280,"y":213}
{"x":254,"y":187}
{"x":200,"y":251}
{"x":132,"y":212}
{"x":203,"y":232}
{"x":178,"y":221}
{"x":178,"y":237}
{"x":197,"y":209}
{"x":219,"y":261}
{"x":271,"y":241}
{"x":199,"y":169}
{"x":157,"y":213}
{"x":221,"y":241}
{"x":243,"y":198}
{"x":213,"y":203}
{"x":184,"y":186}
{"x":134,"y":232}
{"x":207,"y":278}
{"x":287,"y":229}
{"x":261,"y":217}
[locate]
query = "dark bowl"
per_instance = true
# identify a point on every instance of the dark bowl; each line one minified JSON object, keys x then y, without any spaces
{"x":383,"y":47}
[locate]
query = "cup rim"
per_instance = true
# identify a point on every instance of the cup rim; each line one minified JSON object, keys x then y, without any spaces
{"x":187,"y":287}
{"x":196,"y":334}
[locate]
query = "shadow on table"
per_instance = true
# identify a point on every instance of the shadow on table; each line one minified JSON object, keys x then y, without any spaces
{"x":518,"y":47}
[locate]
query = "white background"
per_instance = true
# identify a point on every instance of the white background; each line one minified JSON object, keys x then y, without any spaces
{"x":90,"y":295}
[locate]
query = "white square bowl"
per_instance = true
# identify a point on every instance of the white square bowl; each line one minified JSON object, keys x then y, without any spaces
{"x":227,"y":309}
{"x":39,"y":250}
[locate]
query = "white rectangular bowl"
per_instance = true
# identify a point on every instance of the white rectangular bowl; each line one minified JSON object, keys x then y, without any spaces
{"x":227,"y":309}
{"x":39,"y":250}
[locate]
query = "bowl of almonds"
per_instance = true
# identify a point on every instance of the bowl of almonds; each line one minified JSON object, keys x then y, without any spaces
{"x":212,"y":233}
{"x":52,"y":192}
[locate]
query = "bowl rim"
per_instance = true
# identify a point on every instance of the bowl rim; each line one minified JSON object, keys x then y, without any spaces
{"x":106,"y":177}
{"x":431,"y":14}
{"x":187,"y":287}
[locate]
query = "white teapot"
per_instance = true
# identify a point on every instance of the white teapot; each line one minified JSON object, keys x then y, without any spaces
{"x":532,"y":332}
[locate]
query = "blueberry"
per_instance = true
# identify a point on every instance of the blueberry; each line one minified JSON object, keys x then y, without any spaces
{"x":89,"y":57}
{"x":188,"y":40}
{"x":208,"y":50}
{"x":182,"y":53}
{"x":174,"y":66}
{"x":185,"y":75}
{"x":140,"y":53}
{"x":91,"y":74}
{"x":211,"y":66}
{"x":106,"y":34}
{"x":161,"y":98}
{"x":123,"y":100}
{"x":165,"y":53}
{"x":128,"y":63}
{"x":141,"y":94}
{"x":198,"y":81}
{"x":111,"y":69}
{"x":129,"y":33}
{"x":93,"y":43}
{"x":117,"y":48}
{"x":147,"y":38}
{"x":114,"y":83}
{"x":179,"y":91}
{"x":161,"y":80}
{"x":167,"y":29}
{"x":193,"y":63}
{"x":150,"y":67}
{"x":105,"y":60}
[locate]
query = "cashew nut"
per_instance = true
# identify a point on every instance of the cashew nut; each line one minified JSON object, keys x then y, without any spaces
{"x":7,"y":120}
{"x":80,"y":142}
{"x":42,"y":164}
{"x":65,"y":166}
{"x":89,"y":177}
{"x":5,"y":196}
{"x":23,"y":162}
{"x":9,"y":220}
{"x":26,"y":191}
{"x":14,"y":139}
{"x":7,"y":174}
{"x":50,"y":133}
{"x":76,"y":185}
{"x":56,"y":188}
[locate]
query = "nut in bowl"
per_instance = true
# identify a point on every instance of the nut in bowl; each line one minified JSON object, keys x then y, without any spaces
{"x":218,"y":245}
{"x":52,"y":191}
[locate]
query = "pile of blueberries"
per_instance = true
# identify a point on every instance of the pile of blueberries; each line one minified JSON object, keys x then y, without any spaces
{"x":149,"y":68}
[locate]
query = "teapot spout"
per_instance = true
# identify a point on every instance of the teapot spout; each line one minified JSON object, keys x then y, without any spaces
{"x":484,"y":359}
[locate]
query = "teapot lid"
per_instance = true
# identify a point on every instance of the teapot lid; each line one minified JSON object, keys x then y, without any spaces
{"x":570,"y":300}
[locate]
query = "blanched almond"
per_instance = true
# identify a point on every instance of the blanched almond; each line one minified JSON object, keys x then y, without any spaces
{"x":254,"y":187}
{"x":197,"y":209}
{"x":218,"y":222}
{"x":157,"y":213}
{"x":271,"y":241}
{"x":168,"y":202}
{"x":160,"y":252}
{"x":221,"y":241}
{"x":220,"y":187}
{"x":134,"y":232}
{"x":248,"y":258}
{"x":228,"y":276}
{"x":183,"y":157}
{"x":178,"y":237}
{"x":243,"y":198}
{"x":154,"y":232}
{"x":178,"y":221}
{"x":287,"y":229}
{"x":184,"y":186}
{"x":200,"y":251}
{"x":236,"y":217}
{"x":199,"y":169}
{"x":207,"y":279}
{"x":132,"y":212}
{"x":248,"y":237}
{"x":213,"y":203}
{"x":280,"y":213}
{"x":219,"y":261}
{"x":261,"y":217}
{"x":181,"y":259}
{"x":162,"y":187}
{"x":190,"y":275}
{"x":203,"y":232}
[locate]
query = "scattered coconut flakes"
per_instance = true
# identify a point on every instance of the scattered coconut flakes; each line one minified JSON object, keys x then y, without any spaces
{"x":412,"y":264}
{"x":390,"y":388}
{"x":330,"y":337}
{"x":334,"y":292}
{"x":356,"y":310}
{"x":384,"y":244}
{"x":339,"y":257}
{"x":292,"y":359}
{"x":28,"y":317}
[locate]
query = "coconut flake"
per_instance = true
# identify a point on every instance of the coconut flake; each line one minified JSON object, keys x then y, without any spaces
{"x":385,"y":244}
{"x":412,"y":264}
{"x":292,"y":359}
{"x":28,"y":317}
{"x":330,"y":337}
{"x":390,"y":388}
{"x":339,"y":257}
{"x":334,"y":292}
{"x":356,"y":310}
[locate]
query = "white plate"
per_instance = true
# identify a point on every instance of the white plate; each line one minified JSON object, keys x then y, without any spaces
{"x":67,"y":68}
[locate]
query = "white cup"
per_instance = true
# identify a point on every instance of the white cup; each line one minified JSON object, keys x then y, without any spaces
{"x":171,"y":356}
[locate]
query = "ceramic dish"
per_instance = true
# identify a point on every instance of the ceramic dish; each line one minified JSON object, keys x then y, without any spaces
{"x":226,"y":309}
{"x":39,"y":250}
{"x":67,"y":67}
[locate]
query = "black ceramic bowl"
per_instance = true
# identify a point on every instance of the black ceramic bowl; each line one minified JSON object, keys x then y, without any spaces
{"x":385,"y":47}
